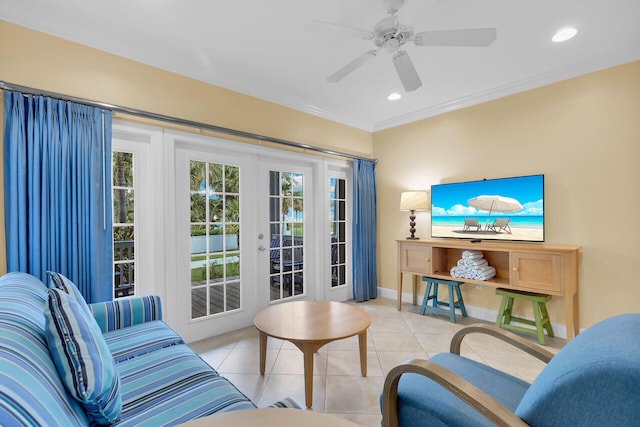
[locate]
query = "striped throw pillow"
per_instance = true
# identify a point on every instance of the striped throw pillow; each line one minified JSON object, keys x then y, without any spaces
{"x":59,"y":281}
{"x":82,"y":358}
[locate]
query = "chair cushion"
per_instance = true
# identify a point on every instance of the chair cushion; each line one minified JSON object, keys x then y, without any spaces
{"x":593,"y":381}
{"x":421,"y":400}
{"x":173,"y":385}
{"x":82,"y":358}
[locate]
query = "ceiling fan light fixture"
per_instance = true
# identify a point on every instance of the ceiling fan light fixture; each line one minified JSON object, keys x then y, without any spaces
{"x":392,"y":45}
{"x":394,"y":96}
{"x":564,"y":34}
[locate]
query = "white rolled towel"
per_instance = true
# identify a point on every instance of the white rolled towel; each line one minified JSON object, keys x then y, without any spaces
{"x":486,"y":268}
{"x":472,"y":255}
{"x":471,"y":252}
{"x":473,"y":263}
{"x":485,"y":275}
{"x":455,"y":272}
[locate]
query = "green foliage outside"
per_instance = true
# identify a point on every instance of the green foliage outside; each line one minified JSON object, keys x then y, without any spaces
{"x":292,"y":197}
{"x":215,"y":271}
{"x":122,"y":166}
{"x":216,"y":187}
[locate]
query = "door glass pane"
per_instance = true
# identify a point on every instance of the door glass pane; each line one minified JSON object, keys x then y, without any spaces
{"x":215,"y":178}
{"x":215,"y":232}
{"x":337,"y":227}
{"x":286,"y":224}
{"x":124,"y":261}
{"x":231,"y":179}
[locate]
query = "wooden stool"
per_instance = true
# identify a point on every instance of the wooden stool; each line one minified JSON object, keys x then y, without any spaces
{"x":454,"y":290}
{"x":540,"y":314}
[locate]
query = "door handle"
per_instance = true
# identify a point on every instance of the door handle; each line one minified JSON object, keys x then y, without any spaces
{"x":261,"y":248}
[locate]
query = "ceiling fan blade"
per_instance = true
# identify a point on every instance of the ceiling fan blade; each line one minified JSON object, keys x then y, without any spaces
{"x":338,"y":29}
{"x":406,"y":71}
{"x":351,"y":66}
{"x":479,"y":37}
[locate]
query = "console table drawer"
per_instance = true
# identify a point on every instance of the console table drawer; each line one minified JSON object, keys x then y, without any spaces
{"x":537,"y":271}
{"x":415,"y":258}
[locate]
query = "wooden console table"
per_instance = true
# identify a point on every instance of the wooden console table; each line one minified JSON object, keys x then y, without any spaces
{"x":534,"y":267}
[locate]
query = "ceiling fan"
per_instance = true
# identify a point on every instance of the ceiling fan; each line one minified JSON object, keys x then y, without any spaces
{"x":390,"y":35}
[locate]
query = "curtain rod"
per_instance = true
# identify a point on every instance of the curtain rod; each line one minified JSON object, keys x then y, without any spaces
{"x":175,"y":120}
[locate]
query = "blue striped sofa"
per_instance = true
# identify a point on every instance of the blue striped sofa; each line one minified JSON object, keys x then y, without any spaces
{"x":161,"y":380}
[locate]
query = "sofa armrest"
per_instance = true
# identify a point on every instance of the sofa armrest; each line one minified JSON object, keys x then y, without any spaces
{"x":472,"y":395}
{"x":508,"y":337}
{"x":120,"y":313}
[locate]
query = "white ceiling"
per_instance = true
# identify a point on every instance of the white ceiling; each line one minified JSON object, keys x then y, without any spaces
{"x":260,"y":47}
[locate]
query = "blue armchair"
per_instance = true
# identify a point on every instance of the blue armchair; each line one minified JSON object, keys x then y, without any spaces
{"x":594,"y":380}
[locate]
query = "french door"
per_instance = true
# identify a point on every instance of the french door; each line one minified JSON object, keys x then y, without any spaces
{"x":214,"y":274}
{"x":286,"y":236}
{"x":133,"y":202}
{"x":223,"y":229}
{"x":337,"y":192}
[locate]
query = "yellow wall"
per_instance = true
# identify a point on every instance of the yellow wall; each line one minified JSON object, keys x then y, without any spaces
{"x":583,"y":134}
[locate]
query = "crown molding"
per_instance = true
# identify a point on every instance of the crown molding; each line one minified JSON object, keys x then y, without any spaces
{"x":593,"y":64}
{"x":580,"y":68}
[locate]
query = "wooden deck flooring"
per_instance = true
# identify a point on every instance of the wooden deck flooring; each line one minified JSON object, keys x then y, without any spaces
{"x":216,"y":304}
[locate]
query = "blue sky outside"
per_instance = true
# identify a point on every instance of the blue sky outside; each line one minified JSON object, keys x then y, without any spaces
{"x":452,"y":199}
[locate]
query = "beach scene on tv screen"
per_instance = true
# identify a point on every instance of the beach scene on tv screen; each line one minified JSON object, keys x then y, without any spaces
{"x":503,"y":209}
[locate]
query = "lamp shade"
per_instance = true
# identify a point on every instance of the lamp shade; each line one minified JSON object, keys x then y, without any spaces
{"x":414,"y":201}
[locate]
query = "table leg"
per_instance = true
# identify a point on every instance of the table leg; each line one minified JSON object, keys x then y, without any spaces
{"x":263,"y":352}
{"x":308,"y":351}
{"x":414,"y":278}
{"x":571,"y":315}
{"x":362,"y":340}
{"x":399,"y":290}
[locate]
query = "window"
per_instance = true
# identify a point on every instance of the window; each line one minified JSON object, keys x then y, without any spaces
{"x":338,"y":228}
{"x":124,"y":264}
{"x":215,"y":243}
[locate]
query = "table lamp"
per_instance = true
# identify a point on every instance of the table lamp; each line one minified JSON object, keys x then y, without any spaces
{"x":413,"y":201}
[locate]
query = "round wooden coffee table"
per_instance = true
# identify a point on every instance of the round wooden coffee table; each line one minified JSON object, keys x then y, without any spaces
{"x":309,"y":325}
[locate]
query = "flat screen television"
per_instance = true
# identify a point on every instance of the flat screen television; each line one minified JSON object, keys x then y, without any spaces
{"x":490,"y":209}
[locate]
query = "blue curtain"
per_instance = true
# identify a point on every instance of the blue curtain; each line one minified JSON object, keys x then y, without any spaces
{"x":365,"y":276}
{"x":57,"y":191}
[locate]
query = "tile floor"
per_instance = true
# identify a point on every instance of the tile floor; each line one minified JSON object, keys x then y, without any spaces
{"x":338,"y":388}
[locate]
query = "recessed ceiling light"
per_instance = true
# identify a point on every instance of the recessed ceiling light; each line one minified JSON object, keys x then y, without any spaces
{"x":394,"y":96}
{"x":564,"y":34}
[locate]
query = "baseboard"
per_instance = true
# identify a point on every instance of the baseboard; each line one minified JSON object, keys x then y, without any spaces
{"x":480,"y":313}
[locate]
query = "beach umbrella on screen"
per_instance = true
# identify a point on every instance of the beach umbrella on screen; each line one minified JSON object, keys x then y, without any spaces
{"x":495,"y":204}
